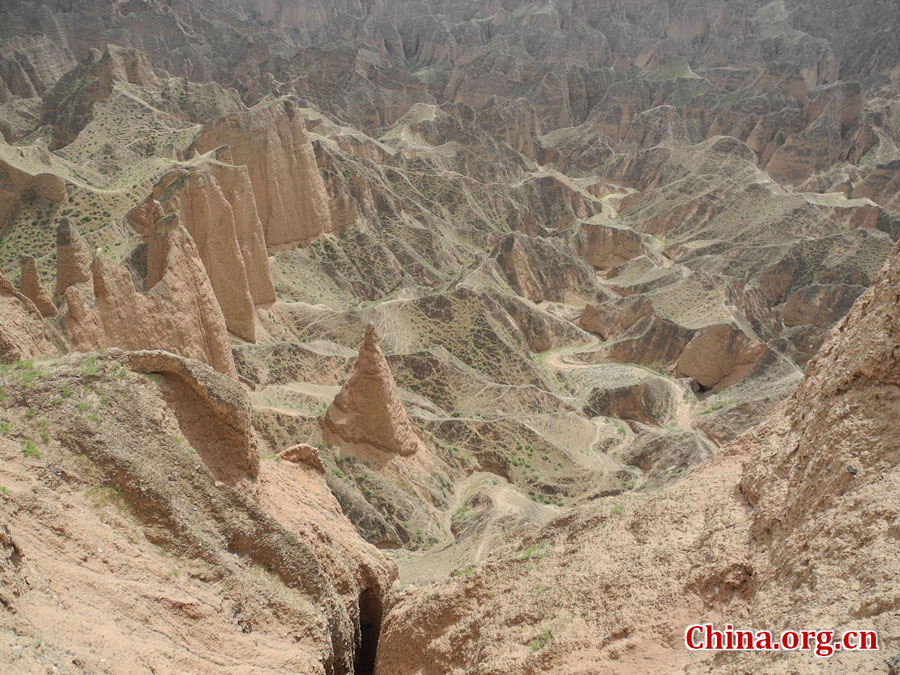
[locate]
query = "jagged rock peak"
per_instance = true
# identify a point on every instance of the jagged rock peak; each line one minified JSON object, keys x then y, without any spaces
{"x":73,"y":257}
{"x":178,"y":312}
{"x":368,"y":409}
{"x":32,"y":288}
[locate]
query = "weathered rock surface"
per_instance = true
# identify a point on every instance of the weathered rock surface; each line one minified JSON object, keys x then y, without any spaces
{"x":73,"y":257}
{"x":69,"y":106}
{"x":27,"y":173}
{"x":23,"y":334}
{"x":178,"y":312}
{"x":368,"y":410}
{"x":605,"y":244}
{"x":809,"y":493}
{"x":216,"y":204}
{"x":652,"y":401}
{"x":32,"y":288}
{"x":540,"y":269}
{"x":271,"y":140}
{"x":160,"y":516}
{"x":303,"y":454}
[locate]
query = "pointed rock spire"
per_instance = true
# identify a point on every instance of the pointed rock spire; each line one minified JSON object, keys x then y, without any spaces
{"x":368,"y":409}
{"x":73,"y":257}
{"x":32,"y":288}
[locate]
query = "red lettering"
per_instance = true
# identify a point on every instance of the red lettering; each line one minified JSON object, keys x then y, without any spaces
{"x":689,"y":637}
{"x":743,"y":639}
{"x":790,"y":640}
{"x":806,"y":635}
{"x":764,"y":640}
{"x":868,"y":640}
{"x":824,"y":646}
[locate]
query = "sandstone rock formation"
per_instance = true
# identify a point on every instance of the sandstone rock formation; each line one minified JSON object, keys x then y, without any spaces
{"x":158,"y":502}
{"x":368,"y":410}
{"x":539,"y":270}
{"x":213,"y":411}
{"x":178,"y":312}
{"x":73,"y":257}
{"x":23,"y":334}
{"x":216,"y":204}
{"x":805,"y":495}
{"x":271,"y":140}
{"x":604,"y":244}
{"x":69,"y":106}
{"x":32,"y":288}
{"x":303,"y":454}
{"x":603,"y":240}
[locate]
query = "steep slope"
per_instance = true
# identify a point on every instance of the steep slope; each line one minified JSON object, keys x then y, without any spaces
{"x":136,"y":506}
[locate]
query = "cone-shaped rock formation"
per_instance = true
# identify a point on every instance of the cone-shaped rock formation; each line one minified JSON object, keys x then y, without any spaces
{"x":33,"y":289}
{"x":368,"y":410}
{"x":73,"y":257}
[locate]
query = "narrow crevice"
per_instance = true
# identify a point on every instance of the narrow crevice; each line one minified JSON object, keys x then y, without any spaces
{"x":370,"y":613}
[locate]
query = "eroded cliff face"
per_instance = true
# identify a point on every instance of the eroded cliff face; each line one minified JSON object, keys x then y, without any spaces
{"x":178,"y":311}
{"x":272,"y":142}
{"x":215,"y":202}
{"x":600,"y":242}
{"x":180,"y":525}
{"x":822,"y":476}
{"x":69,"y":106}
{"x":31,"y":286}
{"x":23,"y":334}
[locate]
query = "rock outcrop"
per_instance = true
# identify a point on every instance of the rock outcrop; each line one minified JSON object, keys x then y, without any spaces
{"x":73,"y":257}
{"x":213,"y":411}
{"x":823,"y":469}
{"x":368,"y":411}
{"x":605,"y":244}
{"x":303,"y":454}
{"x":271,"y":140}
{"x":32,"y":288}
{"x":27,"y":173}
{"x":178,"y":312}
{"x":69,"y":106}
{"x":23,"y":334}
{"x":541,"y":269}
{"x":216,"y":205}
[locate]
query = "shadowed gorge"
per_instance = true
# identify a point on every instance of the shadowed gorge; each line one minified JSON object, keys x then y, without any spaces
{"x":443,"y":336}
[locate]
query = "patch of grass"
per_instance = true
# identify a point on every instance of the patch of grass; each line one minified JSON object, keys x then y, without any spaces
{"x":717,"y":406}
{"x":3,"y":490}
{"x":89,"y":367}
{"x":532,"y":552}
{"x":462,"y":514}
{"x":105,"y":495}
{"x":617,"y":509}
{"x":540,"y":640}
{"x":29,"y":449}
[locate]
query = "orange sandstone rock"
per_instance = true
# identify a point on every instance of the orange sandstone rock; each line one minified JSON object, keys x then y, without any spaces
{"x":33,"y":289}
{"x":368,"y":409}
